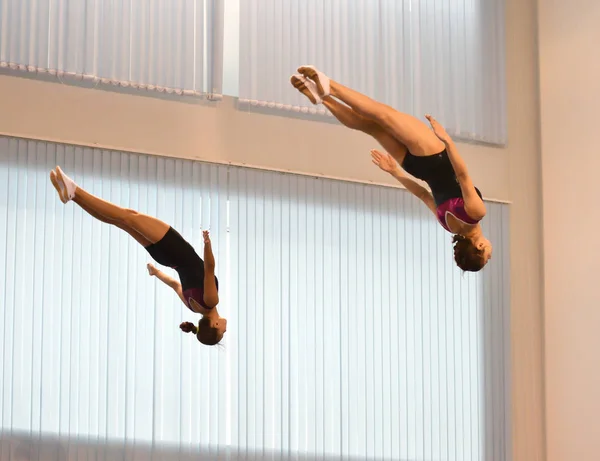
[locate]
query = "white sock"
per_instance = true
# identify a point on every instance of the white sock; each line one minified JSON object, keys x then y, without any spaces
{"x":323,"y":81}
{"x":68,"y":182}
{"x":311,"y":86}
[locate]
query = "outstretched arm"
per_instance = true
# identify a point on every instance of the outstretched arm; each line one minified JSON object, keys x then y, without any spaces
{"x":211,"y":295}
{"x":167,"y":280}
{"x":388,"y":164}
{"x":474,"y":205}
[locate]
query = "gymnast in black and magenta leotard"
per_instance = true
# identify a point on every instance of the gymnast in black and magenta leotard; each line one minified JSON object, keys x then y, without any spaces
{"x":197,"y":286}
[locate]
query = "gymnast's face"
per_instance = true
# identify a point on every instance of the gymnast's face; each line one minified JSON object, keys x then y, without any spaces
{"x":485,"y":246}
{"x":220,"y":324}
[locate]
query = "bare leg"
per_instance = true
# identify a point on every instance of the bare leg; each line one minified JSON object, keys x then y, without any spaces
{"x":136,"y":235}
{"x":355,"y":121}
{"x":408,"y":130}
{"x":149,"y":228}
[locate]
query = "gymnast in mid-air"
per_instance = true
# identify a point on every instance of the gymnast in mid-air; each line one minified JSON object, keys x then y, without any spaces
{"x":427,"y":154}
{"x":198,"y":285}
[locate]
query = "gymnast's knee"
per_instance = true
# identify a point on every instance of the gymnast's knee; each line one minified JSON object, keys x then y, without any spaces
{"x":369,"y":127}
{"x":129,"y":217}
{"x":386,"y":117}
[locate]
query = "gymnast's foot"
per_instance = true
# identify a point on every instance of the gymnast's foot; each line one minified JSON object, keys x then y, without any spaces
{"x":152,"y":270}
{"x":320,"y":79}
{"x":307,"y":87}
{"x":64,"y":185}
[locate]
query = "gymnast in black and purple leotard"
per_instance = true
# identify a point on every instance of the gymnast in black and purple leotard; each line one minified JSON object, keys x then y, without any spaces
{"x":198,"y":286}
{"x":429,"y":155}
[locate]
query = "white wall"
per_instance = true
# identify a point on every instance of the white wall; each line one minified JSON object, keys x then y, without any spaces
{"x":214,"y":132}
{"x":570,"y":94}
{"x":222,"y":134}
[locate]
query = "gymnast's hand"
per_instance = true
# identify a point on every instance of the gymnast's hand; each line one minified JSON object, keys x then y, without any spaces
{"x":151,"y":269}
{"x":384,"y":161}
{"x":438,"y":129}
{"x":206,"y":237}
{"x":187,"y":327}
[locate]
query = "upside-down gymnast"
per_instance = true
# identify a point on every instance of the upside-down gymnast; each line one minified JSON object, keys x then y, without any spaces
{"x":198,"y":285}
{"x":427,"y":154}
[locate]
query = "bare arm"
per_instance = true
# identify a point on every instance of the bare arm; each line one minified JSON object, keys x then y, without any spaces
{"x":211,"y":295}
{"x":387,"y":163}
{"x":415,"y":188}
{"x":474,"y":205}
{"x":167,"y":280}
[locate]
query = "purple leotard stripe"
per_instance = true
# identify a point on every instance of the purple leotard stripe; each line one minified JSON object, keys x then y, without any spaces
{"x":456,"y":207}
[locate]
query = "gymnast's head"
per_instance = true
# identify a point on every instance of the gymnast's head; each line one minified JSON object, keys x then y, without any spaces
{"x":211,"y":330}
{"x":471,"y":253}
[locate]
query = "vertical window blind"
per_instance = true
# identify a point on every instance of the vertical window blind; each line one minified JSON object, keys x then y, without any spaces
{"x":443,"y":57}
{"x":351,"y":333}
{"x":167,"y":46}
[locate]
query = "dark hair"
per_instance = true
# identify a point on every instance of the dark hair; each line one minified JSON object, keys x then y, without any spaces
{"x":466,"y":255}
{"x":208,"y":335}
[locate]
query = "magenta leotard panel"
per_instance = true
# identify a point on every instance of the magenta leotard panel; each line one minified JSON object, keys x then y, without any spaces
{"x":197,"y":294}
{"x":455,"y":207}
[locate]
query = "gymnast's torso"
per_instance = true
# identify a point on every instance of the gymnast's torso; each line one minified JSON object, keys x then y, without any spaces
{"x":437,"y":171}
